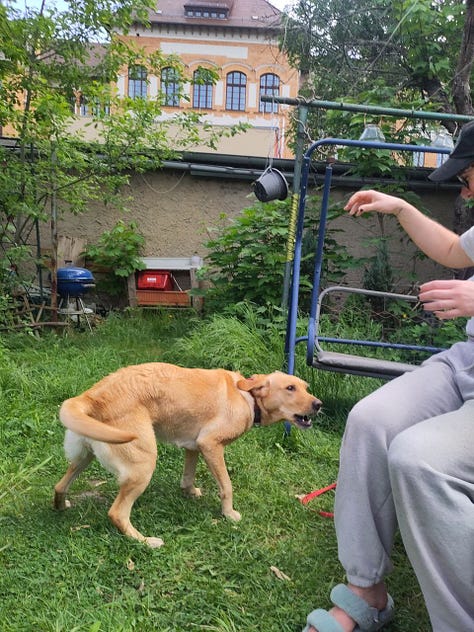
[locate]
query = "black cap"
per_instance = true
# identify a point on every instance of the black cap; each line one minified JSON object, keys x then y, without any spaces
{"x":460,"y":158}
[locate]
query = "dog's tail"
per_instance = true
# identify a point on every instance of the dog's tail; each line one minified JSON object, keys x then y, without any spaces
{"x":75,"y":418}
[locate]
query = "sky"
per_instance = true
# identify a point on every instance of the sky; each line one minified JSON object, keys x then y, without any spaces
{"x":281,"y":4}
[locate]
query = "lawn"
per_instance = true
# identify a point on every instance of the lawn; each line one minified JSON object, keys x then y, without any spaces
{"x":73,"y":571}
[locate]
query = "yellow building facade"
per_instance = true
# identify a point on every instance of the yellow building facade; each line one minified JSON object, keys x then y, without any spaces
{"x":237,"y":40}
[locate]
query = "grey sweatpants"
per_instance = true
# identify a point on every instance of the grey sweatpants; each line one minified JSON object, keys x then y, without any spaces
{"x":407,"y":460}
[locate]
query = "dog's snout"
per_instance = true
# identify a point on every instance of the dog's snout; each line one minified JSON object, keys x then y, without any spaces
{"x":316,"y":405}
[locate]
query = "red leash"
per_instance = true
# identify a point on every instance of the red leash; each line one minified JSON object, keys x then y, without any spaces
{"x":305,"y":499}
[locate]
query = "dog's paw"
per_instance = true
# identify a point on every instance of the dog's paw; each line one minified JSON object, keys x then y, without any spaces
{"x":233,"y":515}
{"x":194,"y":492}
{"x":154,"y":543}
{"x":60,"y":502}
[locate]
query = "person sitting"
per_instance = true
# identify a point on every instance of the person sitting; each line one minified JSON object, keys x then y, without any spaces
{"x":407,"y":454}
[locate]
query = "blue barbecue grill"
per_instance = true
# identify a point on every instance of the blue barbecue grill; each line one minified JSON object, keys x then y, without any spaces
{"x":73,"y":283}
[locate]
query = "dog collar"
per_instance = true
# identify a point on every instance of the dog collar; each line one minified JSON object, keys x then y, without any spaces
{"x":257,"y":414}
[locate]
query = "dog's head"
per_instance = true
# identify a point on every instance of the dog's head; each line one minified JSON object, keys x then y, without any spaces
{"x":281,"y":397}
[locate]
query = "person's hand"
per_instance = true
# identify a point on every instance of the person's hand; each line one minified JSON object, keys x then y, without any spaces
{"x":448,"y":298}
{"x":367,"y":201}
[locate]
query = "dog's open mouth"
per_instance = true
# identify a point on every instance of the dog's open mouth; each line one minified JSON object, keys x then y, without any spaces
{"x":302,"y":421}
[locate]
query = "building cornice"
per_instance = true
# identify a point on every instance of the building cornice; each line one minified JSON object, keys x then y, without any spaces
{"x":249,"y":168}
{"x":206,"y":32}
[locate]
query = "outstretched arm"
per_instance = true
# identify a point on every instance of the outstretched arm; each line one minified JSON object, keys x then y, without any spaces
{"x":437,"y":242}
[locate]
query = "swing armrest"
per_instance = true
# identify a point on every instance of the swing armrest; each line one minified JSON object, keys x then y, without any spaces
{"x":357,"y":364}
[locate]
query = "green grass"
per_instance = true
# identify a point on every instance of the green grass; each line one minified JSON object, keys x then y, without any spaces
{"x":72,"y":571}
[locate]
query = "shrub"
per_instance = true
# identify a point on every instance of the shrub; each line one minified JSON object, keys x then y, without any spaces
{"x":118,"y":251}
{"x":248,"y":256}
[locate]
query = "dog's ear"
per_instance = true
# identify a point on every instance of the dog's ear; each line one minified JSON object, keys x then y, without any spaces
{"x":256,"y":382}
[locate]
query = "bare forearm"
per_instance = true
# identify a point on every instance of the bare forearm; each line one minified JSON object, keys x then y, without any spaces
{"x":436,"y":241}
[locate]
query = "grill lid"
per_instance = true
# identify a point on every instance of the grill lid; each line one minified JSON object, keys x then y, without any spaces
{"x":74,"y":275}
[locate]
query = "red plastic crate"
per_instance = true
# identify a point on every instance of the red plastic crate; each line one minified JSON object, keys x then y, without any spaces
{"x":154,"y":280}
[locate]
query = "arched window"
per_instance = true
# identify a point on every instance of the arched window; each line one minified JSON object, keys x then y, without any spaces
{"x":202,"y":91}
{"x":170,"y":86}
{"x":270,"y":86}
{"x":137,"y":82}
{"x":236,"y":91}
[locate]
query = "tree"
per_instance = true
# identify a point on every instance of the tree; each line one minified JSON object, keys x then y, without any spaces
{"x":422,"y":50}
{"x":49,"y":61}
{"x":461,"y":81}
{"x":393,"y":53}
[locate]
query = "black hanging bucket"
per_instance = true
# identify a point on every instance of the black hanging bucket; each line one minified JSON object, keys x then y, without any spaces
{"x":271,"y":185}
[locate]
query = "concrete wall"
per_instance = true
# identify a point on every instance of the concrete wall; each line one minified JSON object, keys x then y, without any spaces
{"x":176,"y":211}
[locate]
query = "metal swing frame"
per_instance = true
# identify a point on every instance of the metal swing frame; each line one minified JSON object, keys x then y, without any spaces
{"x":316,"y":355}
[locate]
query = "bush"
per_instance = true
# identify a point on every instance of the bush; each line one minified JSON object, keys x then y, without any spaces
{"x":118,"y":251}
{"x":248,"y":256}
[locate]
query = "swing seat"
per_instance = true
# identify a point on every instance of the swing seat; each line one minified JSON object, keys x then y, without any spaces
{"x":360,"y":365}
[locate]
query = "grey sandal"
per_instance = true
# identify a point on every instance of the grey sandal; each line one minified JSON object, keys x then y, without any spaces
{"x":368,"y":619}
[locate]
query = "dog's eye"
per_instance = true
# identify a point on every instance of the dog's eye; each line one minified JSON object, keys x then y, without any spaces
{"x":291,"y":387}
